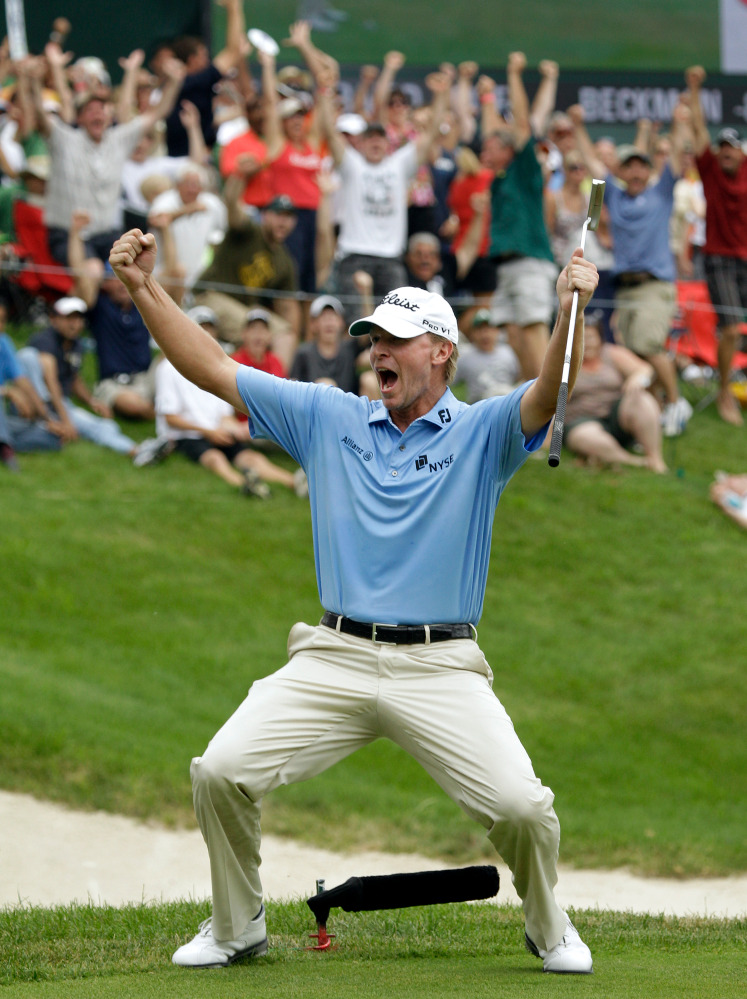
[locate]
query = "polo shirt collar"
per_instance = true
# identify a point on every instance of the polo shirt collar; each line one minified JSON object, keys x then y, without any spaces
{"x":448,"y":401}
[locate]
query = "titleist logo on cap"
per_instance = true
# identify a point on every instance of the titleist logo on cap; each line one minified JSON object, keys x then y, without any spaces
{"x":394,"y":299}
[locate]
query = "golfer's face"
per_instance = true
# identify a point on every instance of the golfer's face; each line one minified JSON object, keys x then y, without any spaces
{"x":403,"y":368}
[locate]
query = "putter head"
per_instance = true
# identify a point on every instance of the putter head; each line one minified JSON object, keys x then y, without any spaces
{"x":595,"y":203}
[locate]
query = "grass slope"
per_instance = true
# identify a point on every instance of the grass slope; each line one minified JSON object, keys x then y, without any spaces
{"x":139,"y":605}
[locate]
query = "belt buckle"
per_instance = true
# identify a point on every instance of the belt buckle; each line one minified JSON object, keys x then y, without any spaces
{"x":380,"y":641}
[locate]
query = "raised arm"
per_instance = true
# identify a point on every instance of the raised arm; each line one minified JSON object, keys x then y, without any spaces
{"x":324,"y":250}
{"x":695,"y":78}
{"x":543,"y":104}
{"x":175,"y":71}
{"x":125,"y":106}
{"x":299,"y":37}
{"x":233,"y":190}
{"x":517,"y":96}
{"x":57,"y":61}
{"x":491,"y":120}
{"x":393,"y":63}
{"x":469,"y":249}
{"x":539,"y":401}
{"x":326,"y":117}
{"x":438,"y":84}
{"x":189,"y":116}
{"x":230,"y":56}
{"x":87,"y":273}
{"x":680,"y":135}
{"x":585,"y":146}
{"x":273,"y":128}
{"x":466,"y":72}
{"x":190,"y":349}
{"x":366,"y":80}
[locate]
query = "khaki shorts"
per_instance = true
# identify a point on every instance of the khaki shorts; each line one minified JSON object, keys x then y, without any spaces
{"x":526,"y":292}
{"x":143,"y":383}
{"x":644,"y":316}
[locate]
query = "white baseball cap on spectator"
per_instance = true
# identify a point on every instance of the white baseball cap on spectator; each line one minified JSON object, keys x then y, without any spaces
{"x":67,"y":306}
{"x":202,"y":314}
{"x":410,"y":312}
{"x":36,"y":166}
{"x":258,"y":315}
{"x":290,"y":106}
{"x":351,"y":124}
{"x":323,"y":302}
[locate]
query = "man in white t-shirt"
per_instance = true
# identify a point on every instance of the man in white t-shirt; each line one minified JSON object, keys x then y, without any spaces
{"x":373,"y":192}
{"x":198,"y":218}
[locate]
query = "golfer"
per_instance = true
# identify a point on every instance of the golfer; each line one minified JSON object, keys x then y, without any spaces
{"x":403,"y":493}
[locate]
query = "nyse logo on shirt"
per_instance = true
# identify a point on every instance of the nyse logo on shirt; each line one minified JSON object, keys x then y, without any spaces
{"x":433,"y":466}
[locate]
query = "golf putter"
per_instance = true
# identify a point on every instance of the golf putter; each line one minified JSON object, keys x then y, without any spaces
{"x":592,"y":221}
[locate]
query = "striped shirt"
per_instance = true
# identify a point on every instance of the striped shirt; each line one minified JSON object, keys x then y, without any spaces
{"x":86,"y":175}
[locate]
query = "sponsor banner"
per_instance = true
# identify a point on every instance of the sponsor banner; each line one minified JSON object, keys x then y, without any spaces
{"x":609,"y":99}
{"x":733,"y":36}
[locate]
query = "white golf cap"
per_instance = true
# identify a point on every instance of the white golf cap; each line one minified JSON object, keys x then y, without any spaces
{"x":410,"y":312}
{"x":67,"y":306}
{"x":325,"y":302}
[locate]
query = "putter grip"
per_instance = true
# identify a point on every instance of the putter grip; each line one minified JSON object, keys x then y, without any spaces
{"x":400,"y":891}
{"x":557,"y":429}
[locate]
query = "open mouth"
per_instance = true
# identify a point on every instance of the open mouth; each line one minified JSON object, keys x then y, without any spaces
{"x":387,"y":379}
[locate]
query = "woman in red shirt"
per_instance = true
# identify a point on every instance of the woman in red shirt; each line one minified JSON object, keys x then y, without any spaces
{"x":294,"y":160}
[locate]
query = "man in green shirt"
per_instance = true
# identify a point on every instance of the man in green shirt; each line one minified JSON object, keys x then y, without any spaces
{"x":519,"y":244}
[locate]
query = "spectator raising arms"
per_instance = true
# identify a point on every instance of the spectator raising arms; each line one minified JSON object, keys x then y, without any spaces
{"x":644,"y":266}
{"x":724,"y":176}
{"x":374,"y":192}
{"x":87,"y":161}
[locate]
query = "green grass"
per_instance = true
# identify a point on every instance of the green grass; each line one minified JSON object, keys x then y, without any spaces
{"x":438,"y":951}
{"x":139,"y":605}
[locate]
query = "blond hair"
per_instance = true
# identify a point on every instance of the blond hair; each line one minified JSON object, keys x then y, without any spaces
{"x":451,"y":365}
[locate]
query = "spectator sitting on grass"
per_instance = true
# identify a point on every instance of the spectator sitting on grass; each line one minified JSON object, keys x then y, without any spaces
{"x":611,"y":408}
{"x":205,"y":429}
{"x":52,"y":361}
{"x":330,"y":357}
{"x":26,"y":426}
{"x":126,"y":367}
{"x":255,"y":344}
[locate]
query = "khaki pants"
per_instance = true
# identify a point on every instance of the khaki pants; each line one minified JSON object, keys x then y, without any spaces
{"x":338,"y":693}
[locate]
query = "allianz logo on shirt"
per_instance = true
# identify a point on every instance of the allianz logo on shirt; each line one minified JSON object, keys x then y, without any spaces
{"x":433,"y":466}
{"x":350,"y":443}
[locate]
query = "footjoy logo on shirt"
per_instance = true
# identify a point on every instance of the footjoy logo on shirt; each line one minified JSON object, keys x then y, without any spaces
{"x":403,"y":303}
{"x":349,"y":442}
{"x":433,"y":466}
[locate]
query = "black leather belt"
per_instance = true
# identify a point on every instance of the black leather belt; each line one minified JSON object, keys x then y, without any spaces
{"x":633,"y":279}
{"x":398,"y":634}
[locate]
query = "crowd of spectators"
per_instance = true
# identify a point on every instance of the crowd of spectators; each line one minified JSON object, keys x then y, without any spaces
{"x":281,"y":215}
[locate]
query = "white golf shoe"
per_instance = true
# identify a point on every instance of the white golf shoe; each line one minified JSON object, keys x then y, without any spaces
{"x":204,"y":951}
{"x":569,"y":957}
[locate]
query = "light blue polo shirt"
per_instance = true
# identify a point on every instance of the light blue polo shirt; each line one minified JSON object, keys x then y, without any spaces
{"x":401,"y":522}
{"x":640,"y":227}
